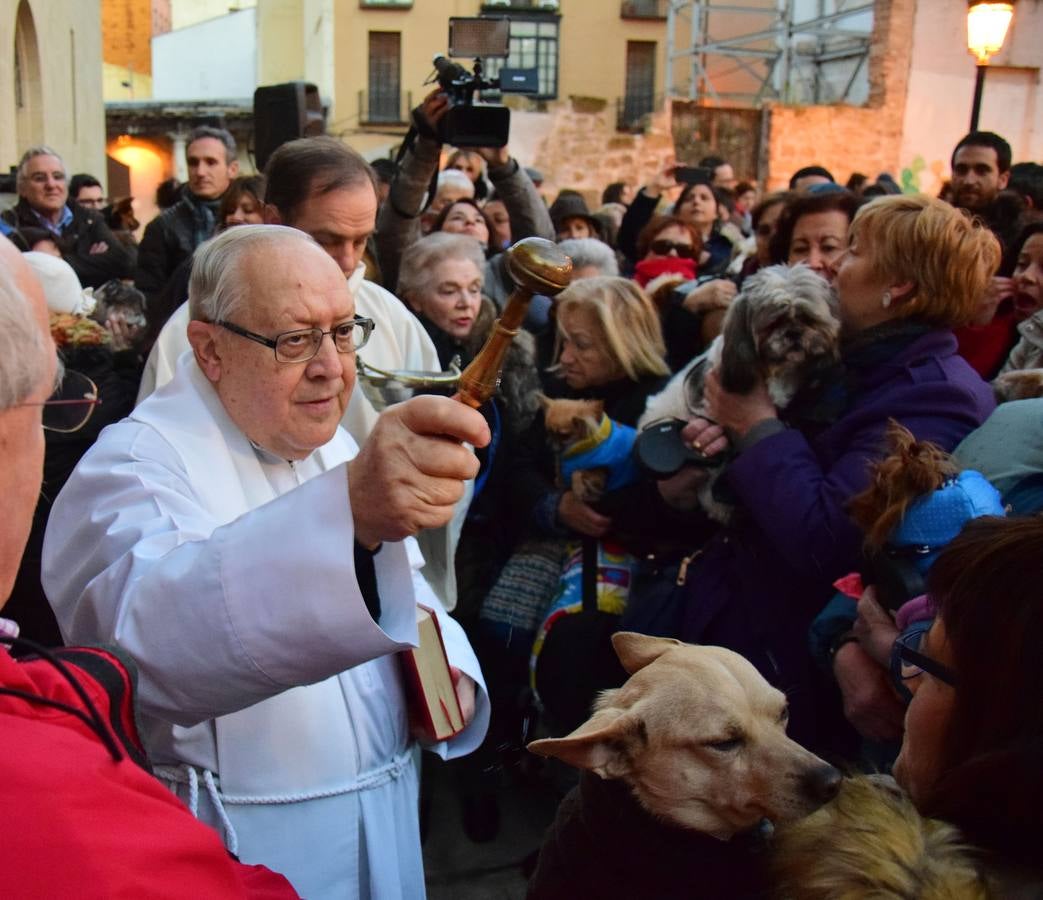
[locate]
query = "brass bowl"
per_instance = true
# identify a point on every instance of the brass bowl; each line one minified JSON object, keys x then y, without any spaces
{"x":383,"y":389}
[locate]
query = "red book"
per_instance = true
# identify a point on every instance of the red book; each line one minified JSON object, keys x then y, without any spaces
{"x":429,"y":684}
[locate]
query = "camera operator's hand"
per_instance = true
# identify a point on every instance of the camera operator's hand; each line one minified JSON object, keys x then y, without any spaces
{"x":494,"y":156}
{"x":663,"y":181}
{"x":432,"y":109}
{"x":875,"y":628}
{"x":581,"y":517}
{"x":737,"y":413}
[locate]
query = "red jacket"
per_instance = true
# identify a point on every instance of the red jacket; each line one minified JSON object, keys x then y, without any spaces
{"x":78,"y":822}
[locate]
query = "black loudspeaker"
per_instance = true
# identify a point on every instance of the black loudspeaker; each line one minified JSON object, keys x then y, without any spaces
{"x":285,"y":112}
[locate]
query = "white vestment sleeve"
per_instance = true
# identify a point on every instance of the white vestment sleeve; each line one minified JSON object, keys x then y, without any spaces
{"x":216,"y":618}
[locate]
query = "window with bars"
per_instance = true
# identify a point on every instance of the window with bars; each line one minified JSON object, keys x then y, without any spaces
{"x":640,"y":83}
{"x":533,"y":45}
{"x":385,"y":68}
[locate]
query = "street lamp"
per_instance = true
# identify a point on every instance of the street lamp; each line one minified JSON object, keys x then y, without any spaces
{"x":987,"y":24}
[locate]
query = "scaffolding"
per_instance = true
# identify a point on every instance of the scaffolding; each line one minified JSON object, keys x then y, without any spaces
{"x":735,"y":53}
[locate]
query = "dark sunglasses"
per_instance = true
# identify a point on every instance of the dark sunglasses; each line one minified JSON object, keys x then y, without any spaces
{"x":663,"y":248}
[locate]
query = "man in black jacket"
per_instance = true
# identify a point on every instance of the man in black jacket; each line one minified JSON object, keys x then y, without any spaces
{"x":171,"y":237}
{"x":80,"y":234}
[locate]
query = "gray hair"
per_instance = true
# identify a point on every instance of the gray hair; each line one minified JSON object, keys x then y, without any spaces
{"x":217,"y":287}
{"x":420,"y":258}
{"x":24,"y":351}
{"x":591,"y":252}
{"x":32,"y":153}
{"x":456,"y":178}
{"x":218,"y":134}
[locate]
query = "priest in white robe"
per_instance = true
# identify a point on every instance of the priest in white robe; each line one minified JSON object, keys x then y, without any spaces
{"x":259,"y":569}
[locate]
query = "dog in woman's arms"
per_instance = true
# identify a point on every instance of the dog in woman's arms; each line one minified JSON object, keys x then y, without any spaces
{"x":594,"y":452}
{"x":781,"y":329}
{"x":1019,"y":384}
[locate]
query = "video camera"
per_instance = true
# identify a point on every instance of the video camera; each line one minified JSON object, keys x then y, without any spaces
{"x":470,"y":124}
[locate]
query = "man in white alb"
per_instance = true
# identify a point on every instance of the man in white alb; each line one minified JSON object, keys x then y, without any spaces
{"x":259,"y":569}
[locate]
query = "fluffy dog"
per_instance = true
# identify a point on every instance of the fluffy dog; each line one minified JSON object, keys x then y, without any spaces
{"x":593,"y":451}
{"x":781,"y":329}
{"x":1021,"y":384}
{"x":683,"y":765}
{"x":871,"y":842}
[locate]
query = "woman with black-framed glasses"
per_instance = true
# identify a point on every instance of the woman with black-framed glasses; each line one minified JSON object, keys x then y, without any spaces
{"x":971,"y":761}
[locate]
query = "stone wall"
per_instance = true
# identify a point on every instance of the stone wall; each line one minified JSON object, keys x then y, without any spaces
{"x":575,"y":145}
{"x":847,"y":139}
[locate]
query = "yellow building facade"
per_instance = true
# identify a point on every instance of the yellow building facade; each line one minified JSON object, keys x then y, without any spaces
{"x":51,"y":86}
{"x":370,"y":58}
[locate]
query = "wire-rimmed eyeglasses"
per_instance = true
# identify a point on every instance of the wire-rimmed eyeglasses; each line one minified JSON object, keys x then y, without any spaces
{"x":71,"y":405}
{"x":303,"y":344}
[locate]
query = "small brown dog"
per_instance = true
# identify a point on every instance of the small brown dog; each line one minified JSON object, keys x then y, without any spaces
{"x":693,"y":756}
{"x":1021,"y":384}
{"x":569,"y":422}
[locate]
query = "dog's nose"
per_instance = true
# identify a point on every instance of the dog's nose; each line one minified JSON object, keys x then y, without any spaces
{"x":822,"y":783}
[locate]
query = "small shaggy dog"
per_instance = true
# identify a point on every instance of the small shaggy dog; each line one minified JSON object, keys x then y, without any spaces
{"x":872,"y":842}
{"x":781,"y":329}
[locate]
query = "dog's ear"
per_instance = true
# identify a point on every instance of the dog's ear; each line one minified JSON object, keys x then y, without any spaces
{"x":635,"y":651}
{"x":544,"y":400}
{"x":739,"y":353}
{"x":605,"y":744}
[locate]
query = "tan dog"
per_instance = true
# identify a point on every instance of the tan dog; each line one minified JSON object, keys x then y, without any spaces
{"x":1020,"y":384}
{"x":700,"y":738}
{"x":568,"y":422}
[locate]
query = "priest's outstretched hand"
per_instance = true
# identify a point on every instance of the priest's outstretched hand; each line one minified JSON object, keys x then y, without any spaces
{"x":411,"y":471}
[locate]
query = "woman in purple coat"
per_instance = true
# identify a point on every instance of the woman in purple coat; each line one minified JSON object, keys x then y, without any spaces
{"x":914,"y":268}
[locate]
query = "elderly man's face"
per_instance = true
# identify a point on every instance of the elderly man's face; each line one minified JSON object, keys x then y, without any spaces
{"x":45,"y":188}
{"x":21,"y":439}
{"x":289,"y":409}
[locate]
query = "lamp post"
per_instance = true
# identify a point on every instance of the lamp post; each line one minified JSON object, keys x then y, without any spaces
{"x":987,"y":24}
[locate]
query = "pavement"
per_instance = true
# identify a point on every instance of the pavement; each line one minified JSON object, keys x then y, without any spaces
{"x":459,"y":869}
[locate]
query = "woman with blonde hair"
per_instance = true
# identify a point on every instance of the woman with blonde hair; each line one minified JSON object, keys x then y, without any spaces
{"x":609,"y":350}
{"x":913,"y":268}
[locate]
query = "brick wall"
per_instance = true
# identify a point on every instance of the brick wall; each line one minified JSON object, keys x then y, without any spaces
{"x":126,"y":32}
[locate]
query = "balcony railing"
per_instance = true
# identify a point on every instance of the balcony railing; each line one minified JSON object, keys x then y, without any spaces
{"x":633,"y":112}
{"x":385,"y":4}
{"x":643,"y":9}
{"x":384,"y":107}
{"x":499,"y":6}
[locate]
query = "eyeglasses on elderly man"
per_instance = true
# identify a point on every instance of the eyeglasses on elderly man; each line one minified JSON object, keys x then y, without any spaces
{"x":70,"y":407}
{"x":303,"y":343}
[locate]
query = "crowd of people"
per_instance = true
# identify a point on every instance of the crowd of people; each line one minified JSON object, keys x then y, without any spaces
{"x":208,"y":458}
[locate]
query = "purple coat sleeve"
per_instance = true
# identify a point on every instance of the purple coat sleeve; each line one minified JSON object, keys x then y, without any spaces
{"x":797,"y":490}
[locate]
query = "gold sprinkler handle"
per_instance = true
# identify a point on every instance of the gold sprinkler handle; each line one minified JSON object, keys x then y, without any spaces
{"x":538,"y":267}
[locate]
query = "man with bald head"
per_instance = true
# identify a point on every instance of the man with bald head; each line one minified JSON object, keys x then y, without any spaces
{"x":261,"y":571}
{"x":69,"y":736}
